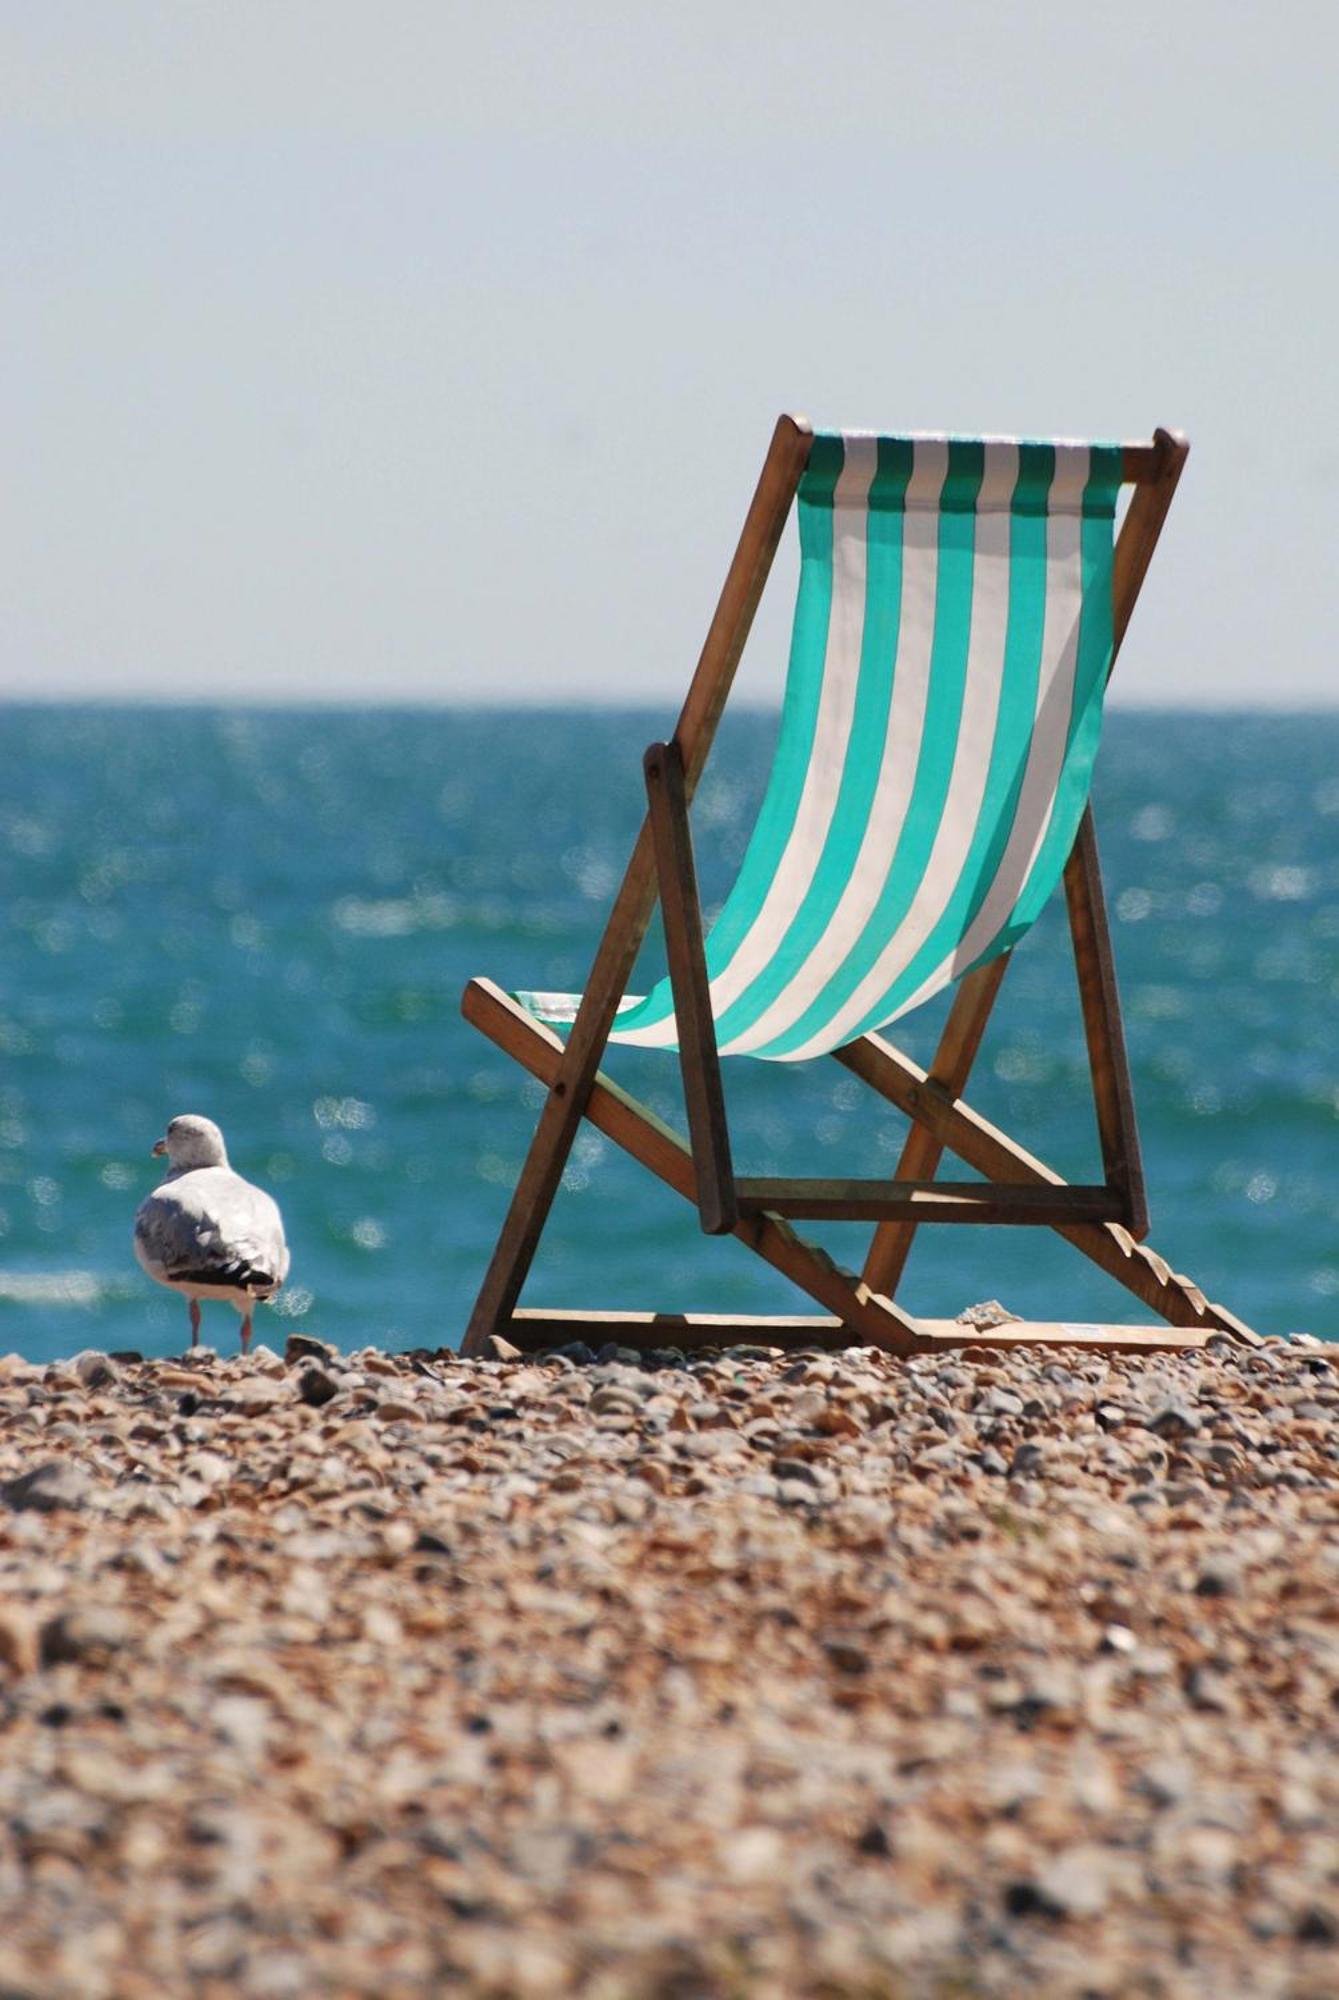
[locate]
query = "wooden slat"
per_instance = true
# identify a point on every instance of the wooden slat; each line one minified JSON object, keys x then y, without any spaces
{"x":1104,"y":1031}
{"x":1109,"y":1336}
{"x":630,"y":1125}
{"x":699,"y":1063}
{"x":991,"y":1152}
{"x":534,"y":1328}
{"x":927,"y":1201}
{"x":921,"y":1151}
{"x":575,"y":1075}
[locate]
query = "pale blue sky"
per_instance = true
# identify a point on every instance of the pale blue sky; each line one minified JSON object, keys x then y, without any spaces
{"x":429,"y":350}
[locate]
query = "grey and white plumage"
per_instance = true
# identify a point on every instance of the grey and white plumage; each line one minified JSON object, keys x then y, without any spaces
{"x":206,"y":1232}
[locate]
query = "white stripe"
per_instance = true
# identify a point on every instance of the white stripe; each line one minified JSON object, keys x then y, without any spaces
{"x":999,"y":476}
{"x":832,"y":734}
{"x":983,"y":681}
{"x":1055,"y":701}
{"x":1062,"y":447}
{"x":902,"y":737}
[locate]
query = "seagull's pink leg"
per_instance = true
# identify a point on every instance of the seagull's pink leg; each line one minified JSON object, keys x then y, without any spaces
{"x":195,"y":1322}
{"x":246,"y":1333}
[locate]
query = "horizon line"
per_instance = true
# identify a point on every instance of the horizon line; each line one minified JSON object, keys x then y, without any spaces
{"x":406,"y":703}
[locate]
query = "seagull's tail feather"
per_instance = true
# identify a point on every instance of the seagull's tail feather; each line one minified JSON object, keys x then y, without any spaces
{"x":238,"y":1272}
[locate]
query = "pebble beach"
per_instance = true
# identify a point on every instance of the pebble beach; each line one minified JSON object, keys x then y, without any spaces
{"x":746,"y":1673}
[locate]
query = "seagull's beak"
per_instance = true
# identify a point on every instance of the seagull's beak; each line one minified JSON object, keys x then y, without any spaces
{"x":160,"y":1147}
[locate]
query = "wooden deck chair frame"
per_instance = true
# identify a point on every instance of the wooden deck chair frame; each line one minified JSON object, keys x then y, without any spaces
{"x":1106,"y":1222}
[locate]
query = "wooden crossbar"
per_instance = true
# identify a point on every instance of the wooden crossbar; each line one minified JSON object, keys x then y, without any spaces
{"x":927,"y":1201}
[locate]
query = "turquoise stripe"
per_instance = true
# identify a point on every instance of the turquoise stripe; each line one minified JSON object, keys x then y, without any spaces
{"x":1013,"y":730}
{"x":864,"y":754}
{"x":1092,"y":667}
{"x":948,"y":668}
{"x":795,"y":740}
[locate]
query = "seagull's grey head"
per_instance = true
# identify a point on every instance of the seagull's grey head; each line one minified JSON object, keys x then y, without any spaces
{"x":191,"y":1141}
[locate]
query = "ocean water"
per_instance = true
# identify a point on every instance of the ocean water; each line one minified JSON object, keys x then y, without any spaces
{"x":268,"y":916}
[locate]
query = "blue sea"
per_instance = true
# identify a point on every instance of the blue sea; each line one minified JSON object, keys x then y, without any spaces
{"x":268,"y":916}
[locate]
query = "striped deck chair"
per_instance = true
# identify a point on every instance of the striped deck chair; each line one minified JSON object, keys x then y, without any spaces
{"x":960,"y":606}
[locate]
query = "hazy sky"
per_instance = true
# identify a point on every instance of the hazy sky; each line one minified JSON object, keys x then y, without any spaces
{"x":430,"y":350}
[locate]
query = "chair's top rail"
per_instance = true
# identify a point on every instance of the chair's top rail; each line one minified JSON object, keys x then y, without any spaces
{"x":1141,"y":462}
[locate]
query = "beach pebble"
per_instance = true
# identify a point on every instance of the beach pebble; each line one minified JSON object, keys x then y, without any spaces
{"x":257,"y":1394}
{"x":577,"y":1352}
{"x":744,"y":1673}
{"x":316,"y":1386}
{"x":95,"y":1371}
{"x":305,"y":1347}
{"x":1075,"y":1884}
{"x":626,"y":1357}
{"x":85,"y":1632}
{"x":58,"y":1483}
{"x":1174,"y":1420}
{"x":19,"y":1643}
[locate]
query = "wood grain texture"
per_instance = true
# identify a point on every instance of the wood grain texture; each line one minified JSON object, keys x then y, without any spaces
{"x":927,"y":1201}
{"x":699,"y":1062}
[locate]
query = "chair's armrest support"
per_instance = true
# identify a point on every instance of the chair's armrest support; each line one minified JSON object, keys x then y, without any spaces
{"x":700,"y":1063}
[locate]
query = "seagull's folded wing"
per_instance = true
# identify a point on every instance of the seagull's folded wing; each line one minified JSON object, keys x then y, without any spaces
{"x":223,"y":1233}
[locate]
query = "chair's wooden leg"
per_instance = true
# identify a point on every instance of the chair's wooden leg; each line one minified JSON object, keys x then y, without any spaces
{"x":560,"y":1118}
{"x":922,"y":1151}
{"x":983,"y":1146}
{"x":629,"y":1124}
{"x":559,"y":1121}
{"x":680,"y":906}
{"x":1113,"y":1091}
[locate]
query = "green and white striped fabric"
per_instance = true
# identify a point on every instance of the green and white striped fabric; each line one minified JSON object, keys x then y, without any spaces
{"x":951,"y":645}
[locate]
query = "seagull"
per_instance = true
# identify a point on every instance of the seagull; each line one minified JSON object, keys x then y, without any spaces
{"x":207,"y":1233}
